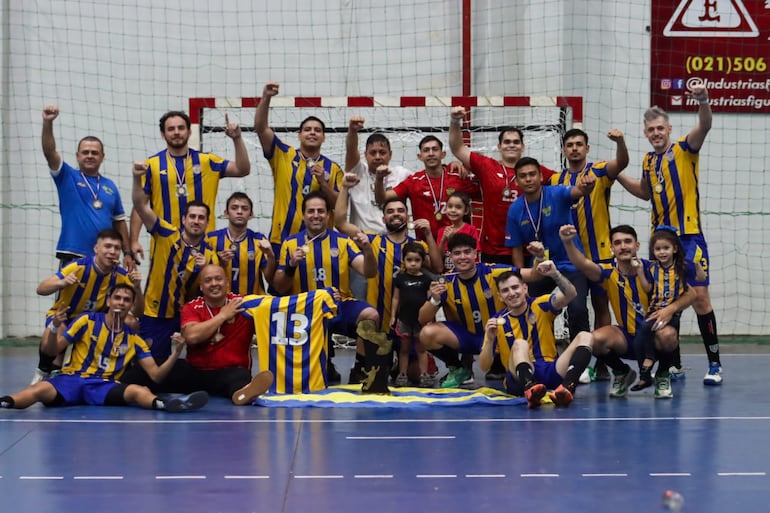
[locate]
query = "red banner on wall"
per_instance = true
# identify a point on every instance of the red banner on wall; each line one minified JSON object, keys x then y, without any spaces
{"x":722,"y":43}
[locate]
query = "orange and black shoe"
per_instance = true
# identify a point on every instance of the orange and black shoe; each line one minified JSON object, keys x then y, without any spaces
{"x":534,"y":395}
{"x":561,"y":396}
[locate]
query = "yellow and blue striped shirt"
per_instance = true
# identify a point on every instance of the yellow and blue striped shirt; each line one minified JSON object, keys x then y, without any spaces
{"x":591,"y":214}
{"x":472,"y":302}
{"x":97,"y":351}
{"x":173,"y":276}
{"x":672,"y":180}
{"x":535,"y":326}
{"x":201,"y":172}
{"x":326,"y":264}
{"x":245,"y":268}
{"x":626,"y":295}
{"x":292,"y":338}
{"x":90,"y":293}
{"x":293,"y":180}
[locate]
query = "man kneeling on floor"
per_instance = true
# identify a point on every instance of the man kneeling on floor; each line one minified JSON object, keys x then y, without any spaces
{"x":102,"y":345}
{"x":522,"y":334}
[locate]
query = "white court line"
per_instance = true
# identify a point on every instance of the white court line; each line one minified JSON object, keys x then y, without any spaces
{"x":437,"y":437}
{"x":539,"y":475}
{"x":670,"y":474}
{"x":741,"y":474}
{"x":41,"y":478}
{"x":604,"y":475}
{"x":373,"y":476}
{"x":330,"y":476}
{"x":180,"y":477}
{"x":97,"y":478}
{"x":484,"y":475}
{"x":247,"y":477}
{"x":435,"y":476}
{"x":380,"y":421}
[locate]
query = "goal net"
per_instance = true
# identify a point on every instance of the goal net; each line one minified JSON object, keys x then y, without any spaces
{"x":405,"y":120}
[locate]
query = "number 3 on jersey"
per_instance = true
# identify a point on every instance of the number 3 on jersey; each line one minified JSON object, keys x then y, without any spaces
{"x":291,"y":331}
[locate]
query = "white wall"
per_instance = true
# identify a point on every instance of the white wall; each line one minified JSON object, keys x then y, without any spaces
{"x":114,"y":67}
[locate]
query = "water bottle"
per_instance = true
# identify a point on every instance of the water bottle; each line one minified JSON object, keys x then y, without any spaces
{"x":673,"y":500}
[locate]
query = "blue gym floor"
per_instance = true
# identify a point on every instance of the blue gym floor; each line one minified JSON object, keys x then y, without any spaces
{"x":599,"y":455}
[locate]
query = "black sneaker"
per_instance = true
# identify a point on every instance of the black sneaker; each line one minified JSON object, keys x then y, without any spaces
{"x":189,"y":402}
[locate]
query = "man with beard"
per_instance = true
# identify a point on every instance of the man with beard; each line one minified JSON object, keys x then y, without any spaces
{"x":317,"y":258}
{"x":176,"y":260}
{"x":180,"y":174}
{"x":247,"y":256}
{"x":387,"y":248}
{"x":429,"y":189}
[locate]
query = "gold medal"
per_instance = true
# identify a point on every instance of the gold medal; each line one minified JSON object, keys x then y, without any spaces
{"x":658,"y":188}
{"x":217,"y":337}
{"x":506,"y":193}
{"x":305,"y":248}
{"x":97,"y":204}
{"x":410,"y":226}
{"x":438,"y":216}
{"x":500,"y":321}
{"x":310,"y":163}
{"x":233,"y":245}
{"x":180,"y":190}
{"x":441,"y":279}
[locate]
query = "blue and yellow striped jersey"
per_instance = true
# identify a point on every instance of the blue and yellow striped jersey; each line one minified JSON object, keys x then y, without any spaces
{"x":379,"y":292}
{"x":591,"y":214}
{"x":667,"y":285}
{"x":472,"y":302}
{"x":173,"y":276}
{"x":292,"y":338}
{"x":97,"y":351}
{"x":628,"y":299}
{"x":245,"y":268}
{"x":201,"y":172}
{"x":672,"y":179}
{"x":90,"y":293}
{"x":292,"y":181}
{"x":535,"y":326}
{"x":327,"y":262}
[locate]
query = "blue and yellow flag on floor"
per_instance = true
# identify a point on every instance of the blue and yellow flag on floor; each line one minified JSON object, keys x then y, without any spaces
{"x":350,"y":396}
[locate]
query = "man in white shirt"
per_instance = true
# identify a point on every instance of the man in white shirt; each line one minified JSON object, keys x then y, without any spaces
{"x":365,"y":212}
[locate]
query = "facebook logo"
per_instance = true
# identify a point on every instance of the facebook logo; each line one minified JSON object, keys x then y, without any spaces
{"x":678,"y":83}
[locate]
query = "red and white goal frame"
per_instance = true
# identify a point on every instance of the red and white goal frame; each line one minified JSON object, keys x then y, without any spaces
{"x":197,"y":106}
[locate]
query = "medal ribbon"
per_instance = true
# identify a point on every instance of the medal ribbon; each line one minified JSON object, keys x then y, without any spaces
{"x":95,"y":194}
{"x":436,"y":202}
{"x":535,"y":227}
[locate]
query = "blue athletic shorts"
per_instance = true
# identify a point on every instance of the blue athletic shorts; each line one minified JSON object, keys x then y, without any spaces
{"x":76,"y":390}
{"x":469,"y":343}
{"x":696,"y":250}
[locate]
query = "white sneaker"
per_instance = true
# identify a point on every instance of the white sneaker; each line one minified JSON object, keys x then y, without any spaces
{"x":714,"y":375}
{"x":585,"y":377}
{"x":39,"y":376}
